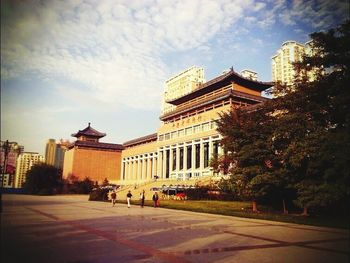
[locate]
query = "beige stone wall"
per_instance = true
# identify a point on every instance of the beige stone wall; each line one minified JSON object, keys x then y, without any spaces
{"x":200,"y":118}
{"x":68,"y":163}
{"x":140,"y":149}
{"x":95,"y":164}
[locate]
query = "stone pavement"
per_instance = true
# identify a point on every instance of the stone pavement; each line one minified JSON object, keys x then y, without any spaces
{"x":73,"y":230}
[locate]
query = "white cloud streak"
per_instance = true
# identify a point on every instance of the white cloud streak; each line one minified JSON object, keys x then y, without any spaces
{"x":114,"y":48}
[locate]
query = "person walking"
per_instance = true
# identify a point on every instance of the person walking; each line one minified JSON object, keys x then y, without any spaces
{"x":128,"y":198}
{"x":142,"y":198}
{"x":114,"y":198}
{"x":155,"y":199}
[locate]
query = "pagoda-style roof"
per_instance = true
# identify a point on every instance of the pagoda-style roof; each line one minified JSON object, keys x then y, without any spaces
{"x":220,"y":96}
{"x":140,"y":140}
{"x":221,"y":81}
{"x":89,"y":132}
{"x":96,"y":145}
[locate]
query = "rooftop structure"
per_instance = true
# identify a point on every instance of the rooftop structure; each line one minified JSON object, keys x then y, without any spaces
{"x":87,"y":157}
{"x":88,"y":134}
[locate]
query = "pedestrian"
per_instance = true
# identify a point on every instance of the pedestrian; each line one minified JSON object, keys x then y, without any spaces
{"x":142,"y":198}
{"x":114,"y":198}
{"x":128,"y":198}
{"x":155,"y":199}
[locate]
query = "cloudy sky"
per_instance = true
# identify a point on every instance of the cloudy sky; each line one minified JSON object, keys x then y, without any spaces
{"x":67,"y":63}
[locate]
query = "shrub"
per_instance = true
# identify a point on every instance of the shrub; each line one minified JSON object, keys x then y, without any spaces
{"x":99,"y":194}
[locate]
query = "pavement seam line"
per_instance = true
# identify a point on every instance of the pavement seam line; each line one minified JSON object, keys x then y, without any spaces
{"x":132,"y":244}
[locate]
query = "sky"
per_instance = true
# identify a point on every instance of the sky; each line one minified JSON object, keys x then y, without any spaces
{"x":67,"y":63}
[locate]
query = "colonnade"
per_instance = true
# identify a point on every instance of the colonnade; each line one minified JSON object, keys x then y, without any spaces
{"x":183,"y":160}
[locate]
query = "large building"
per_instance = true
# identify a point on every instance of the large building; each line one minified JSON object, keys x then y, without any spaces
{"x":50,"y":152}
{"x":289,"y":53}
{"x":282,"y":63}
{"x":9,"y":152}
{"x":54,"y":152}
{"x":187,"y":139}
{"x":25,"y":161}
{"x":87,"y":157}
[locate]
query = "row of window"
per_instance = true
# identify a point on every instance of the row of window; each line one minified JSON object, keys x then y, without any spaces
{"x":188,"y":131}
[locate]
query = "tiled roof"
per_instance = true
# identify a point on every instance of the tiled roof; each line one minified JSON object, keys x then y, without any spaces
{"x":220,"y":82}
{"x":211,"y":100}
{"x":89,"y":132}
{"x":147,"y":138}
{"x":97,"y":145}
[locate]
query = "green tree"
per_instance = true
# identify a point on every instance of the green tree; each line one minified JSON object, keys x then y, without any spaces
{"x":43,"y":179}
{"x":300,"y":140}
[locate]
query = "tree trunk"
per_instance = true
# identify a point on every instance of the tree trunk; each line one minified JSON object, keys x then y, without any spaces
{"x":285,"y":211}
{"x":305,"y":212}
{"x":255,"y":206}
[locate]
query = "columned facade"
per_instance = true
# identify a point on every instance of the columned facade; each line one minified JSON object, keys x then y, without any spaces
{"x":187,"y":138}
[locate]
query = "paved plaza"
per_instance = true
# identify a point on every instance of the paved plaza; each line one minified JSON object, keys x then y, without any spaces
{"x":75,"y":230}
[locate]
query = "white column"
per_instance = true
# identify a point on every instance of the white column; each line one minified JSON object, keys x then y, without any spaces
{"x":164,"y":164}
{"x":131,"y":170}
{"x":154,"y":165}
{"x":201,"y":160}
{"x":193,"y":158}
{"x":149,"y":167}
{"x":139,"y":166}
{"x":185,"y":157}
{"x":171,"y":160}
{"x":144,"y":167}
{"x":160,"y":164}
{"x":177,"y":158}
{"x":123,"y":172}
{"x":211,"y":148}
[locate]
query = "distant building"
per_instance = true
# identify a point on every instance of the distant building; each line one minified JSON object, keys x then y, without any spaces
{"x":25,"y":161}
{"x":249,"y":74}
{"x":282,"y":63}
{"x":54,"y":152}
{"x":13,"y":150}
{"x":87,"y":157}
{"x":289,"y":53}
{"x":180,"y":85}
{"x":50,"y":152}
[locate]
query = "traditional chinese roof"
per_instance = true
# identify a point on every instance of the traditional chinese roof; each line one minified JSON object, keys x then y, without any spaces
{"x":182,"y":109}
{"x":96,"y":145}
{"x":221,"y":81}
{"x":89,"y":132}
{"x":140,"y":140}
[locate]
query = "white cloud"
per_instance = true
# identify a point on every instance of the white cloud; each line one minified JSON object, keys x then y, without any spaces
{"x":113,"y":48}
{"x":321,"y":14}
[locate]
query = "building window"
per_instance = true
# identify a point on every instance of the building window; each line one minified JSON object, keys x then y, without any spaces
{"x":189,"y":156}
{"x":167,"y":136}
{"x":198,"y":151}
{"x":196,"y":128}
{"x":173,"y":134}
{"x":206,"y":154}
{"x":174,"y":160}
{"x":181,"y":158}
{"x":167,"y":156}
{"x":206,"y":126}
{"x":189,"y":131}
{"x":181,"y":133}
{"x":216,"y":148}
